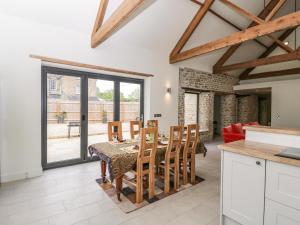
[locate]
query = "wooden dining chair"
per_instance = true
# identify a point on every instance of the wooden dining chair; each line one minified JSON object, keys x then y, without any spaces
{"x":133,"y":125}
{"x":171,"y":162}
{"x":188,"y":155}
{"x":115,"y":130}
{"x":145,"y":165}
{"x":152,"y":123}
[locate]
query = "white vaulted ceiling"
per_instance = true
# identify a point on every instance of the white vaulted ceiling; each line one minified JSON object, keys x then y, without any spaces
{"x":157,"y":28}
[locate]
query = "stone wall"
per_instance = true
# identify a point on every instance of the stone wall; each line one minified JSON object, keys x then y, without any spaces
{"x":207,"y":84}
{"x":206,"y":112}
{"x":228,"y":110}
{"x":190,"y":115}
{"x":247,"y":108}
{"x":204,"y":81}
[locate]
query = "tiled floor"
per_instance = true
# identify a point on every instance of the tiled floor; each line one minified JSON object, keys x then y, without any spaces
{"x":70,"y":195}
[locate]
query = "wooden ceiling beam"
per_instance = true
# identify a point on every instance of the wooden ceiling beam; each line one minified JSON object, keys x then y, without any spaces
{"x":257,"y":20}
{"x":191,"y":27}
{"x":273,"y":74}
{"x":123,"y":12}
{"x":268,"y":51}
{"x":275,"y":10}
{"x":232,"y":49}
{"x":278,"y":24}
{"x":100,"y":15}
{"x":263,"y":61}
{"x":228,"y":22}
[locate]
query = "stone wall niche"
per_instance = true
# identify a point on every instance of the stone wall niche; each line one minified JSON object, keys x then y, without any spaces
{"x":206,"y":111}
{"x":207,"y":85}
{"x":228,"y":110}
{"x":247,"y":108}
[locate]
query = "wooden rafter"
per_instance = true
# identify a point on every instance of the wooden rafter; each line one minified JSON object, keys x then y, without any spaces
{"x":191,"y":27}
{"x":273,"y":74}
{"x":263,"y":61}
{"x":232,"y":49}
{"x":275,"y":10}
{"x":114,"y":22}
{"x":100,"y":15}
{"x":278,"y":24}
{"x":257,"y":20}
{"x":228,"y":21}
{"x":282,"y":37}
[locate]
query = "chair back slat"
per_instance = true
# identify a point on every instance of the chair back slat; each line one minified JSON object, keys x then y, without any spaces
{"x":115,"y":130}
{"x":152,"y":123}
{"x":133,"y":125}
{"x":148,"y":147}
{"x":192,"y":138}
{"x":175,"y":139}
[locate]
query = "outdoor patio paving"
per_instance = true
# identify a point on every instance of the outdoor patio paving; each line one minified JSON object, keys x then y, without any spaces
{"x":60,"y":147}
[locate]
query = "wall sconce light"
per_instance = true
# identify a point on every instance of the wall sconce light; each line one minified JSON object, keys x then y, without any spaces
{"x":169,"y":90}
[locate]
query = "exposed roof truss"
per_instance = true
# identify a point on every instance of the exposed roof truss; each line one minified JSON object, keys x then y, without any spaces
{"x":261,"y":25}
{"x":102,"y":31}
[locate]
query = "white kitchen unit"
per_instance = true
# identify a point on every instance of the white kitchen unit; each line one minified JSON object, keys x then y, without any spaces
{"x":258,"y":187}
{"x":279,"y":214}
{"x":238,"y":204}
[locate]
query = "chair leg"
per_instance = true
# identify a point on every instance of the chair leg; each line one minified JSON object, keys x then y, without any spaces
{"x":167,"y":178}
{"x":193,"y":172}
{"x":184,"y":169}
{"x":176,"y":174}
{"x":151,"y":182}
{"x":139,"y":188}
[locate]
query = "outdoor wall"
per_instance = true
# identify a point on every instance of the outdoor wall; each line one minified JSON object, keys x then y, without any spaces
{"x":207,"y":84}
{"x":285,"y":101}
{"x":247,"y":109}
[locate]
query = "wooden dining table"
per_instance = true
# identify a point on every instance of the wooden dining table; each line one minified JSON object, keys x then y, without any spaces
{"x":121,"y":157}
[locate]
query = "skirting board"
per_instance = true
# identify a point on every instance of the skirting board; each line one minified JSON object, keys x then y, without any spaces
{"x":21,"y":175}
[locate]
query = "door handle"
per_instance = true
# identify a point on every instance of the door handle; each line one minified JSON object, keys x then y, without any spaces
{"x":258,"y":163}
{"x":83,"y":117}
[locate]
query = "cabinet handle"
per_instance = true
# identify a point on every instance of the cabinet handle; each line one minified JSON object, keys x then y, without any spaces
{"x":258,"y":163}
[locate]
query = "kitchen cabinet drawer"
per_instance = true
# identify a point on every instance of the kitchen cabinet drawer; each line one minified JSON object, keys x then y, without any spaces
{"x":277,"y":214}
{"x":283,"y":184}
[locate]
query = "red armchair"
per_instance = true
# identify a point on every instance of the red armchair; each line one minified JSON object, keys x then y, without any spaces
{"x":230,"y":135}
{"x":235,"y":132}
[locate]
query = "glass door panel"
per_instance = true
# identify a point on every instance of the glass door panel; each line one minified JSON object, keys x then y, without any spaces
{"x":100,"y":109}
{"x":130,"y":105}
{"x":63,"y":118}
{"x":76,"y":107}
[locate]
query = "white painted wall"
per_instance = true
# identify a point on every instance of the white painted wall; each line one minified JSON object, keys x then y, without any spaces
{"x":20,"y":79}
{"x":285,"y":101}
{"x":21,"y":85}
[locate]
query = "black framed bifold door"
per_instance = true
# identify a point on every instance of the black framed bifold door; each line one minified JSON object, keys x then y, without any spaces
{"x":76,"y":107}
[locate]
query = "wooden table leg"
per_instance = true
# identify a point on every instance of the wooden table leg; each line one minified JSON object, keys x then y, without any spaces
{"x":119,"y":184}
{"x":205,"y":151}
{"x":103,"y":171}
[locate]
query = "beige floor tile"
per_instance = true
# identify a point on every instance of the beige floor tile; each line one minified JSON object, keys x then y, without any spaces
{"x":76,"y":215}
{"x":70,"y":196}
